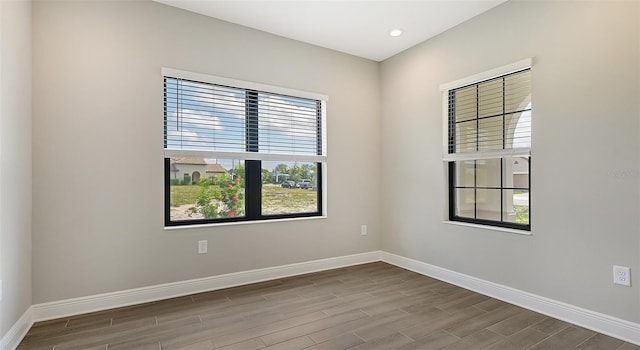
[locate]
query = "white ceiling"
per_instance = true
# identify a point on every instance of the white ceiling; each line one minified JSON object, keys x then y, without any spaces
{"x":359,"y":28}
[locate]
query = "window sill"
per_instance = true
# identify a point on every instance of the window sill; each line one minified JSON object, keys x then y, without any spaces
{"x":185,"y":227}
{"x":490,"y":228}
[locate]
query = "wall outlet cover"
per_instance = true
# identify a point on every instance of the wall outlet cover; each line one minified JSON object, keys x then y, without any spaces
{"x":203,"y":246}
{"x":622,"y":275}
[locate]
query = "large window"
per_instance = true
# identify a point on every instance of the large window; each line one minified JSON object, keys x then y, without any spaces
{"x":239,"y":151}
{"x":488,"y":148}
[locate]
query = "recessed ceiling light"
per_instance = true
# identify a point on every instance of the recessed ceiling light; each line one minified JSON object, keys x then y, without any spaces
{"x":395,"y":32}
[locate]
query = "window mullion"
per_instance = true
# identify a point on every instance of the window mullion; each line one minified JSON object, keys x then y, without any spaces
{"x":253,"y":189}
{"x":475,"y":162}
{"x":253,"y":184}
{"x":502,"y":168}
{"x":504,"y":145}
{"x":477,"y":117}
{"x":504,"y":115}
{"x":475,"y":189}
{"x":529,"y":191}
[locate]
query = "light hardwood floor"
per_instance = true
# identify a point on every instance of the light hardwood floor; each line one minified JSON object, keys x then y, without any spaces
{"x":370,"y":306}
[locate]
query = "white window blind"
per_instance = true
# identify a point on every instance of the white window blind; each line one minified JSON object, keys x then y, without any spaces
{"x":204,"y":117}
{"x":289,"y":125}
{"x":489,"y":118}
{"x":210,"y":120}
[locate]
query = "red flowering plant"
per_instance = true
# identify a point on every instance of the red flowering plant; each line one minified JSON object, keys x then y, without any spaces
{"x":233,"y":199}
{"x":220,"y":197}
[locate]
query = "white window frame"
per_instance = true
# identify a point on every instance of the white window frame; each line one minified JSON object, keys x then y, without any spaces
{"x":447,"y":157}
{"x":323,"y":159}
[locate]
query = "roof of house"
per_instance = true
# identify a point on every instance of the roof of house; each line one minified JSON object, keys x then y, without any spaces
{"x":214,"y":168}
{"x":187,"y":160}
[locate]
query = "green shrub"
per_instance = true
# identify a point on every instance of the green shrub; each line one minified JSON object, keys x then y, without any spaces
{"x":175,"y":182}
{"x":522,"y":214}
{"x":220,"y":197}
{"x":206,"y":203}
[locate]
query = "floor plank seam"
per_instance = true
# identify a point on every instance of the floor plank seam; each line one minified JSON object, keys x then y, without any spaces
{"x":586,"y":340}
{"x":447,"y":332}
{"x":543,"y":340}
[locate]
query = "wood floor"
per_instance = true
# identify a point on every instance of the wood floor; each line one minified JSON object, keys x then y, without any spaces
{"x":371,"y":306}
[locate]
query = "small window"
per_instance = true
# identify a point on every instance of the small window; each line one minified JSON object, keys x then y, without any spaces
{"x":488,"y":143}
{"x":239,"y":151}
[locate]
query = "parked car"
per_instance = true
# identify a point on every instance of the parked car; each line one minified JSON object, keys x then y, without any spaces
{"x":288,"y":184}
{"x":304,"y":183}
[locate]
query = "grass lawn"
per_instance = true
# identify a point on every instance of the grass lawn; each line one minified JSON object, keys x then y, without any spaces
{"x":275,"y":199}
{"x":182,"y":195}
{"x":278,"y":200}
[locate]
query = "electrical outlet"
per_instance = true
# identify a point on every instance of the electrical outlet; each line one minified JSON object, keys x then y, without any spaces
{"x":202,"y":246}
{"x":622,"y":275}
{"x":363,"y":230}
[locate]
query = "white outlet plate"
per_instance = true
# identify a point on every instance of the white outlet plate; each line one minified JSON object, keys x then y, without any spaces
{"x":622,"y":275}
{"x":203,"y":246}
{"x":363,"y":230}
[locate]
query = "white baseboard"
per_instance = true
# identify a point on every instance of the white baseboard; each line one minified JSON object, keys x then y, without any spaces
{"x":601,"y":323}
{"x":14,"y":336}
{"x":76,"y":306}
{"x":615,"y":327}
{"x":63,"y":308}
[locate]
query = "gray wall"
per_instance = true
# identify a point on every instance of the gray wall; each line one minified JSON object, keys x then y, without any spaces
{"x":97,"y":113}
{"x":98,"y":126}
{"x":15,"y":161}
{"x":585,"y":89}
